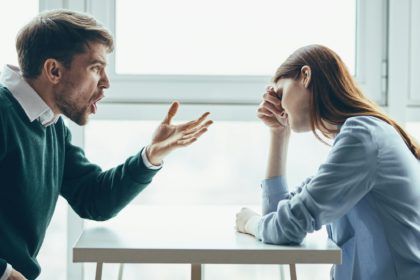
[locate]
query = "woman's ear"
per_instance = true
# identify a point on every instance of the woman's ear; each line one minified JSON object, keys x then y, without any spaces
{"x":306,"y":75}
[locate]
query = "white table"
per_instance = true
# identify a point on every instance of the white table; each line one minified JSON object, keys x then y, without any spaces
{"x":195,"y":235}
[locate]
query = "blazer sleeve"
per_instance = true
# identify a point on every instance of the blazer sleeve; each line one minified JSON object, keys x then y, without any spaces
{"x":344,"y":179}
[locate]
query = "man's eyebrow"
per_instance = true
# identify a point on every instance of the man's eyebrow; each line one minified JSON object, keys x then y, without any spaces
{"x":97,"y":61}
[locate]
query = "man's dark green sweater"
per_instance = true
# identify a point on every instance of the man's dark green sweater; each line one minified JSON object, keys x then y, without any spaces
{"x":37,"y":164}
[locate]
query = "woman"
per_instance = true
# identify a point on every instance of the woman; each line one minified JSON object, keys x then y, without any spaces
{"x":367,"y":192}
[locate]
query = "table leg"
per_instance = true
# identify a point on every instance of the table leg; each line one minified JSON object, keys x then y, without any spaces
{"x":197,"y":272}
{"x":293,"y":272}
{"x":98,"y":275}
{"x":281,"y":272}
{"x":121,"y":271}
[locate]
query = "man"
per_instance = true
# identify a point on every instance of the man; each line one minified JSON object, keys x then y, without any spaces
{"x":62,"y":58}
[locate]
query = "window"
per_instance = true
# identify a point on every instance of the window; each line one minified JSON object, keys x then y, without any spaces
{"x":14,"y":19}
{"x":232,"y":37}
{"x":414,"y":129}
{"x":414,"y":90}
{"x":224,"y":167}
{"x":143,"y":69}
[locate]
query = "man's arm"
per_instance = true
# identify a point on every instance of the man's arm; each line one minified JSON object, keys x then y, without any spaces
{"x":98,"y":195}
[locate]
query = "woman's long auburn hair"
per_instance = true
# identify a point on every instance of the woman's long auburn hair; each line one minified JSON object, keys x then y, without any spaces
{"x":336,"y":96}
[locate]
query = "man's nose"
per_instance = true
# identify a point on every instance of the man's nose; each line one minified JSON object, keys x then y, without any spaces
{"x":104,"y":82}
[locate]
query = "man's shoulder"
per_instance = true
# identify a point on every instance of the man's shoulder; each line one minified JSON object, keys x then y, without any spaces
{"x":5,"y":101}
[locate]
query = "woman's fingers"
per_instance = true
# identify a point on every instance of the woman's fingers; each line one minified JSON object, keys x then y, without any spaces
{"x":271,"y":108}
{"x":263,"y":111}
{"x":272,"y":98}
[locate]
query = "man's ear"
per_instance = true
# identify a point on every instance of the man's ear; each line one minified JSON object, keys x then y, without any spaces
{"x":53,"y":70}
{"x":306,"y":75}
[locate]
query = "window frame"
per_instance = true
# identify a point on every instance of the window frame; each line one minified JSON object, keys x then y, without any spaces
{"x":371,"y":67}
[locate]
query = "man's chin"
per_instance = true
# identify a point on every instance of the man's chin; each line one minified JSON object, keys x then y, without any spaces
{"x":80,"y":119}
{"x":83,"y":121}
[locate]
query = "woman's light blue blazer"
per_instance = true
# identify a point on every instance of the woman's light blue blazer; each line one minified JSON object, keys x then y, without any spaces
{"x":367,"y":193}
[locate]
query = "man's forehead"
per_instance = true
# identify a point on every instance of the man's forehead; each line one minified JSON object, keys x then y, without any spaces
{"x":95,"y":53}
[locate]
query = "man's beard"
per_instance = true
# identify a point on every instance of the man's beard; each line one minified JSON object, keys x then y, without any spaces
{"x":70,"y":109}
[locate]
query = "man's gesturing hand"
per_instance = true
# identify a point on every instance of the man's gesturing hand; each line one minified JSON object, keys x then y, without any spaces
{"x":168,"y":137}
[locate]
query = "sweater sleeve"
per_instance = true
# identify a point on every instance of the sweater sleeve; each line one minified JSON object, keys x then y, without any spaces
{"x":3,"y":265}
{"x":100,"y":195}
{"x":3,"y":134}
{"x":339,"y":184}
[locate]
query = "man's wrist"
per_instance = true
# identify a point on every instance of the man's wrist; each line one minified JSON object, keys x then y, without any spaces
{"x":153,"y":155}
{"x":146,"y":160}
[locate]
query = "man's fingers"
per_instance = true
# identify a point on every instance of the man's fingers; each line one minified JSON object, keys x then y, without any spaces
{"x":171,"y":112}
{"x":195,"y":134}
{"x":188,"y":139}
{"x":197,"y":128}
{"x":192,"y":124}
{"x":186,"y":142}
{"x":202,"y":118}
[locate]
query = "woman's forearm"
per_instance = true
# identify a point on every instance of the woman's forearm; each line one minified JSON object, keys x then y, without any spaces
{"x":277,"y":156}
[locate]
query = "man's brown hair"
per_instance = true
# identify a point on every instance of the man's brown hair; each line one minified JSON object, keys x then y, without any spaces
{"x":58,"y":34}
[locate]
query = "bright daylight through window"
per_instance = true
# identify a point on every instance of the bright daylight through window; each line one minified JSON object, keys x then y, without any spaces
{"x":219,"y":37}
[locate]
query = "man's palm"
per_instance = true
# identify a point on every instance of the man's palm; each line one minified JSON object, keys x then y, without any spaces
{"x":168,"y":136}
{"x":164,"y":133}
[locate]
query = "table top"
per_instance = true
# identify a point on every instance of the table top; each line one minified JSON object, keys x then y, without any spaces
{"x":190,"y":234}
